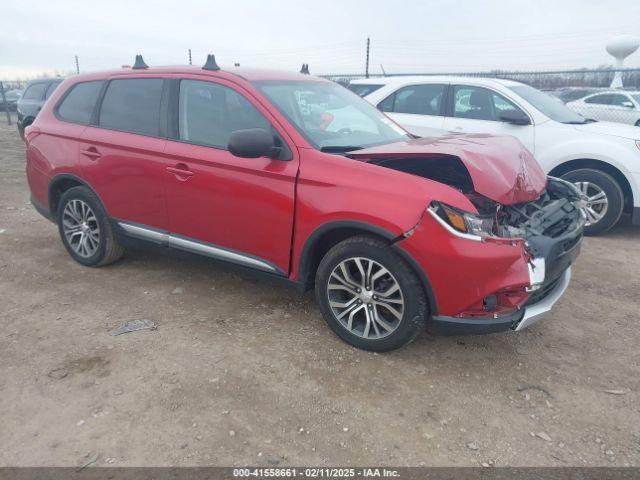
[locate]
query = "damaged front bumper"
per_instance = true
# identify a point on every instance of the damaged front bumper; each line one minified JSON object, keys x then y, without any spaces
{"x":519,"y":319}
{"x":494,"y":284}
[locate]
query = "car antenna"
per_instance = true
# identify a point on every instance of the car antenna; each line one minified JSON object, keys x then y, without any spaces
{"x":211,"y":64}
{"x":305,"y":69}
{"x":139,"y":63}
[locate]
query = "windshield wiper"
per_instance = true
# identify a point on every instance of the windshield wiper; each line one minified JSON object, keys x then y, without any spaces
{"x":339,"y":148}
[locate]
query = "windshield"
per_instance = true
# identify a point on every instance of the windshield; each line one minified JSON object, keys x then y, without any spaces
{"x":331,"y":117}
{"x":548,"y":105}
{"x":636,"y":97}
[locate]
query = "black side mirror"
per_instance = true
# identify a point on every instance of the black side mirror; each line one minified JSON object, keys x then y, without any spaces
{"x":253,"y":143}
{"x":515,"y":117}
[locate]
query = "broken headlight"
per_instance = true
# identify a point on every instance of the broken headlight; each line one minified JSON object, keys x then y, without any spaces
{"x":463,"y":223}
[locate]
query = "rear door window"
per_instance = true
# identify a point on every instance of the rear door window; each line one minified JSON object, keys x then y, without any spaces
{"x":132,"y":105}
{"x":603,"y":99}
{"x":78,"y":105}
{"x":415,"y":99}
{"x":35,"y":91}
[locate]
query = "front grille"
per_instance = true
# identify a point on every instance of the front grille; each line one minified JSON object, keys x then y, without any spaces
{"x":554,"y":214}
{"x":559,"y":228}
{"x":570,"y":243}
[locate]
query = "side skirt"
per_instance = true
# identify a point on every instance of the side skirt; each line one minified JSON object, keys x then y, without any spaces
{"x":178,"y":242}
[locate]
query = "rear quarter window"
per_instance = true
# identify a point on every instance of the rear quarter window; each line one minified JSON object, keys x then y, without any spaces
{"x":132,"y":105}
{"x":78,"y":104}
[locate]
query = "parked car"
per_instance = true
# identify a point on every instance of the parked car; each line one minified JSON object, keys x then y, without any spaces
{"x":601,"y":158}
{"x":612,"y":106}
{"x":32,"y":100}
{"x":11,"y":97}
{"x":298,"y":178}
{"x":570,"y":94}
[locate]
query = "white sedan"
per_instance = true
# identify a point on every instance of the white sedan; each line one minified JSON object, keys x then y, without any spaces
{"x":601,"y":158}
{"x":611,"y":106}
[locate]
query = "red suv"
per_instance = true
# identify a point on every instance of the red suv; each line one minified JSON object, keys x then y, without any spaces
{"x":299,"y":178}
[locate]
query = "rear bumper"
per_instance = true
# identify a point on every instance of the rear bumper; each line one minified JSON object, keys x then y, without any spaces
{"x":518,"y":320}
{"x":42,"y":210}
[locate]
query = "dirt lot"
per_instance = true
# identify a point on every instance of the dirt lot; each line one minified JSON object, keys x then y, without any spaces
{"x":240,"y":371}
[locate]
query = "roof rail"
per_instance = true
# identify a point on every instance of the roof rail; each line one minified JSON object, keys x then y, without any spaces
{"x":211,"y":64}
{"x":305,"y":69}
{"x":139,"y":63}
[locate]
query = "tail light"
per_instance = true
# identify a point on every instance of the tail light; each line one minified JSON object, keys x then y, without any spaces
{"x":30,"y":133}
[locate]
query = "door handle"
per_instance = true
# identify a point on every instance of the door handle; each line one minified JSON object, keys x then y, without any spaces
{"x":181,"y":171}
{"x":91,"y":152}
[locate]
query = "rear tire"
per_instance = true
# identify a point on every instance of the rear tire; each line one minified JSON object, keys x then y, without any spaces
{"x":600,"y":217}
{"x":85,"y":229}
{"x":383,"y":308}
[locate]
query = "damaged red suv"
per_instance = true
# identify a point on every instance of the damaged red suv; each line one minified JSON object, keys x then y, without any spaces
{"x":296,"y":177}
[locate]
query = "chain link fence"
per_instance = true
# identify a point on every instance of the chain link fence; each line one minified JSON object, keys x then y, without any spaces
{"x":587,"y":92}
{"x":543,"y":80}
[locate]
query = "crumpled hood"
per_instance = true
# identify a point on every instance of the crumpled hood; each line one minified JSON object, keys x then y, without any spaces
{"x":501,"y":168}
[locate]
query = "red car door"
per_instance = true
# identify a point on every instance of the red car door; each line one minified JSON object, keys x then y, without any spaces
{"x":122,"y":157}
{"x":239,"y":209}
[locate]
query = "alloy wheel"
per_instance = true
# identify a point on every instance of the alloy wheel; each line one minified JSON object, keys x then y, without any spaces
{"x":365,"y":298}
{"x":80,"y":227}
{"x":596,"y":202}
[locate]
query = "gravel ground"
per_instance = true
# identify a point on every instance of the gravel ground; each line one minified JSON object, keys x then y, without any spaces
{"x":240,"y":371}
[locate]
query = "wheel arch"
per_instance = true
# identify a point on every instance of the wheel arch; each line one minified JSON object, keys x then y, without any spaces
{"x":60,"y":184}
{"x":326,"y":236}
{"x":606,"y":167}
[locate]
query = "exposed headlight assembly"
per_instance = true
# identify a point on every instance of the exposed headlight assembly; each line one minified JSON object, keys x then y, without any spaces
{"x":463,"y":224}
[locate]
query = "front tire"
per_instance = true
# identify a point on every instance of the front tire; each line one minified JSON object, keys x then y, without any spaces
{"x":369,"y":296}
{"x":85,"y":229}
{"x":605,"y":199}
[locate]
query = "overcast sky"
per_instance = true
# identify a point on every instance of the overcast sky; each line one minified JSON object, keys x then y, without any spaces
{"x":406,"y":36}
